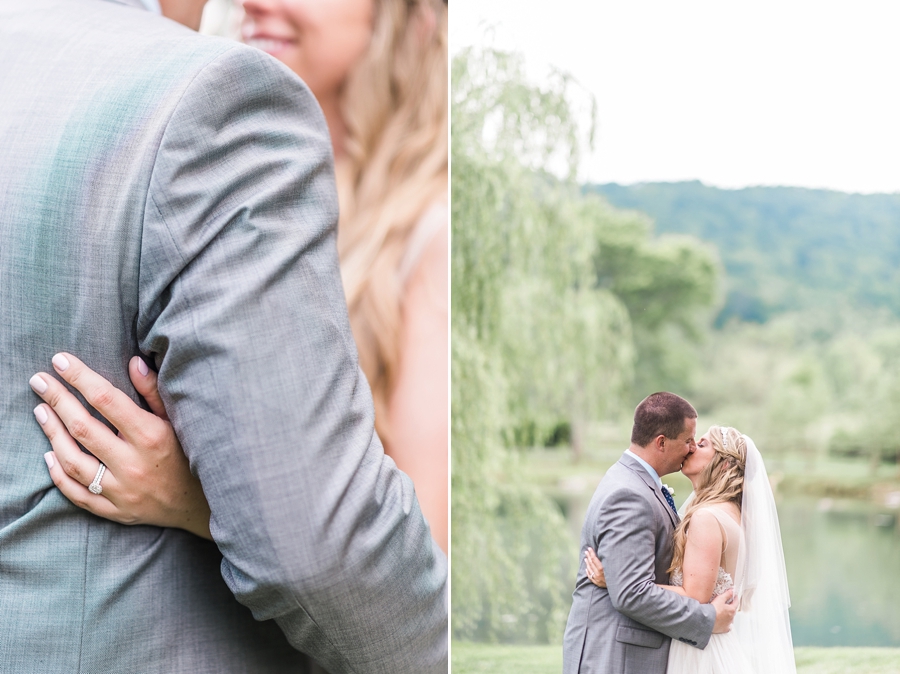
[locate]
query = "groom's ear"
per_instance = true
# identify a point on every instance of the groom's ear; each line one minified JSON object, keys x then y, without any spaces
{"x":659,"y":443}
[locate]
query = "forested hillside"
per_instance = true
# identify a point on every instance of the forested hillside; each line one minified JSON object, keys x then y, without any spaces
{"x":784,"y":248}
{"x":805,"y":347}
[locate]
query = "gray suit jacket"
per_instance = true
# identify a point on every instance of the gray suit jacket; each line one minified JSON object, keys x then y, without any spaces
{"x":171,"y":194}
{"x":625,"y":628}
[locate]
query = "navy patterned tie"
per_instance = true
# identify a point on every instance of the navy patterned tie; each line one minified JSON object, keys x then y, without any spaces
{"x":669,"y":500}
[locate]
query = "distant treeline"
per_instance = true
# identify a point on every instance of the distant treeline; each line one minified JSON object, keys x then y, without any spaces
{"x":804,"y":347}
{"x":783,"y":248}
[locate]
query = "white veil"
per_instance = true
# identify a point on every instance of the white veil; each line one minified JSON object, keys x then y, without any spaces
{"x":760,"y":583}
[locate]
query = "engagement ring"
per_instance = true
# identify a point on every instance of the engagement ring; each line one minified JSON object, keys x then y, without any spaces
{"x":94,"y":487}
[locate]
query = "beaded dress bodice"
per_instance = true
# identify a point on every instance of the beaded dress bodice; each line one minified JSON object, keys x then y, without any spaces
{"x":724,"y":582}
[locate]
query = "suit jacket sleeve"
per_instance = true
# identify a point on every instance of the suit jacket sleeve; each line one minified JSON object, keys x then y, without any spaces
{"x":242,"y":306}
{"x":627,"y":548}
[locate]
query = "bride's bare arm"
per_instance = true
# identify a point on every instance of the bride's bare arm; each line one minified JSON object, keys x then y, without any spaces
{"x":148,"y":479}
{"x":702,"y":554}
{"x":417,"y":410}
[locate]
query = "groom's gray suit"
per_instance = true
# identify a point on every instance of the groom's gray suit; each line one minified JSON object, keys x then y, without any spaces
{"x":170,"y":194}
{"x":625,"y":629}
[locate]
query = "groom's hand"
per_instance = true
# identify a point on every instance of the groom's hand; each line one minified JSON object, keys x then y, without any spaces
{"x":725,"y":610}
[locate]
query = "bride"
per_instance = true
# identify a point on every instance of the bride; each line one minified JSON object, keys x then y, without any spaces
{"x":729,"y":538}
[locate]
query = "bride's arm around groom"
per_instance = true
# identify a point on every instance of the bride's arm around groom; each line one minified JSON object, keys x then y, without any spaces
{"x":626,"y":526}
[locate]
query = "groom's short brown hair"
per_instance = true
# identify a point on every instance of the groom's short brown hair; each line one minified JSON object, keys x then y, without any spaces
{"x":660,"y":414}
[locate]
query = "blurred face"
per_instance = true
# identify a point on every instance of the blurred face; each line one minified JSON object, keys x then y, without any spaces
{"x":700,"y":458}
{"x":320,"y":40}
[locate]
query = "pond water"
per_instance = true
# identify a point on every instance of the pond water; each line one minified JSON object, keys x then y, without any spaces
{"x":843,"y":564}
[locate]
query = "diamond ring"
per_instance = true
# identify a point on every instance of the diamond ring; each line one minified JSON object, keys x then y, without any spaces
{"x":94,"y":487}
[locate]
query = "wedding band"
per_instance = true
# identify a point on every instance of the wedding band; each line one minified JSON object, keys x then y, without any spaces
{"x":94,"y":487}
{"x":591,"y":576}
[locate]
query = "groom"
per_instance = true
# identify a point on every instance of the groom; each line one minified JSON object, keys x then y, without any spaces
{"x":630,"y":522}
{"x":173,"y":195}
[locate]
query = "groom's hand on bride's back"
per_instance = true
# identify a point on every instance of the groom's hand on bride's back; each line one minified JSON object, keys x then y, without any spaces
{"x":725,"y":610}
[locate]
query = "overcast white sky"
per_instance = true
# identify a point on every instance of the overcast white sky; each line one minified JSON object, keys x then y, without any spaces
{"x":762,"y":92}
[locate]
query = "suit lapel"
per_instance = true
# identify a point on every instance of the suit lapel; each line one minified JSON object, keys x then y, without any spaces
{"x":630,"y":463}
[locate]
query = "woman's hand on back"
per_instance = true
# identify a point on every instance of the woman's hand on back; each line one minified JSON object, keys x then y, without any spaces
{"x":594,"y":568}
{"x":147,"y":479}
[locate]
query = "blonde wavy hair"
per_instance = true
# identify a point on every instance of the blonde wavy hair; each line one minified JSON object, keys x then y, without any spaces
{"x":722,"y":481}
{"x":394,"y":106}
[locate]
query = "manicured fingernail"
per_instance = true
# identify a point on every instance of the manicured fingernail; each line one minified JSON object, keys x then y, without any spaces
{"x":38,"y":384}
{"x":60,"y":362}
{"x":41,"y":414}
{"x":48,"y":457}
{"x":142,"y":367}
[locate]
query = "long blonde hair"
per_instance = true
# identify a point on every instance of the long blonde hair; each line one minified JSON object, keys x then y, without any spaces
{"x":722,"y":481}
{"x":394,"y":107}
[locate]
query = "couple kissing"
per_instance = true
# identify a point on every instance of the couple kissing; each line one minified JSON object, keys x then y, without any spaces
{"x":701,"y":592}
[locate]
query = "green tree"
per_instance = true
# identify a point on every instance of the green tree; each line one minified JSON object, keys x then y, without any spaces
{"x":531,"y":335}
{"x":669,"y":286}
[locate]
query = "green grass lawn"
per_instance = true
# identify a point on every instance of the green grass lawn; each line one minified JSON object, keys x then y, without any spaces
{"x":470,"y":658}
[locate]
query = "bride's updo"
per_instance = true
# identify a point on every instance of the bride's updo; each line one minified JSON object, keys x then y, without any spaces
{"x":722,"y":481}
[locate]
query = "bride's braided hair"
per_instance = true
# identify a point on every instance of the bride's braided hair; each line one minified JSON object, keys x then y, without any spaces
{"x":722,"y":481}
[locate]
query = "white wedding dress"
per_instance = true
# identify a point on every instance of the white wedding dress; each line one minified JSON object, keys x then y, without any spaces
{"x":724,"y":653}
{"x":753,"y":564}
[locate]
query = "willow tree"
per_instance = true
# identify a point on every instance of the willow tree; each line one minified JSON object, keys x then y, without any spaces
{"x":533,"y":335}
